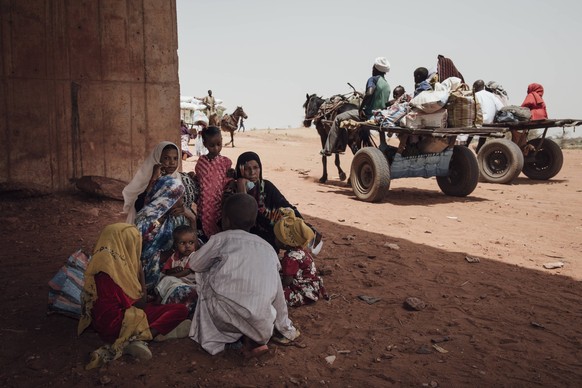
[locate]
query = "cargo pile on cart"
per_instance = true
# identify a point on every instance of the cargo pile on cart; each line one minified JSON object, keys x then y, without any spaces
{"x":431,"y":129}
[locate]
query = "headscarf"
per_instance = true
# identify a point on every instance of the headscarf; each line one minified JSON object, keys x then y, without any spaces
{"x":243,"y":159}
{"x":258,"y":191}
{"x":535,"y":102}
{"x":142,"y":177}
{"x":158,"y":236}
{"x":446,"y":68}
{"x":537,"y":92}
{"x":117,"y":254}
{"x":495,"y":88}
{"x":292,"y":230}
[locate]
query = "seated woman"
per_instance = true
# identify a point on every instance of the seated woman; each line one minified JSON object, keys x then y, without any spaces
{"x":163,"y":211}
{"x":535,"y":102}
{"x":164,"y":160}
{"x":114,"y":300}
{"x":249,"y":174}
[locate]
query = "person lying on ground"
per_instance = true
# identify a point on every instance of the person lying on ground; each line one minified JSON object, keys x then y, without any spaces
{"x":241,"y":299}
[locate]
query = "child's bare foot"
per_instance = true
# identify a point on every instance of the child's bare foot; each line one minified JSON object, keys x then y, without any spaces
{"x":252,"y":349}
{"x":255,"y":352}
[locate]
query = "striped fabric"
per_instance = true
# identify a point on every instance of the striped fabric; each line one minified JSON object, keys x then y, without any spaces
{"x":446,"y":68}
{"x":211,"y":174}
{"x":239,"y":291}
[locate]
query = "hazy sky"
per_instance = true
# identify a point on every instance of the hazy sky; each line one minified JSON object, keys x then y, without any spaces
{"x":266,"y":54}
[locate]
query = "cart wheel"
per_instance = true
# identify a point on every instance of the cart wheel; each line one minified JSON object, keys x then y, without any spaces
{"x":463,"y":173}
{"x":500,"y":161}
{"x":546,"y":163}
{"x":370,"y":174}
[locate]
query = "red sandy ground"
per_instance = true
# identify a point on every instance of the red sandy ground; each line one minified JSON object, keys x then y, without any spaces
{"x":509,"y":321}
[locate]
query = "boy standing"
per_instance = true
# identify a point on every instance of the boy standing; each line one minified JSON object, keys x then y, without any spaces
{"x":239,"y":288}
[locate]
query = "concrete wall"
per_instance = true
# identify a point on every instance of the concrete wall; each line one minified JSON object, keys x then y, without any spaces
{"x":87,"y":87}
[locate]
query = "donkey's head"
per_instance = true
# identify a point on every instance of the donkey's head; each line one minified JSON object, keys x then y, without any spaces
{"x":311,"y":106}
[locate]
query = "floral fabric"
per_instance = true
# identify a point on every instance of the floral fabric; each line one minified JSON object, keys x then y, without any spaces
{"x":307,"y":286}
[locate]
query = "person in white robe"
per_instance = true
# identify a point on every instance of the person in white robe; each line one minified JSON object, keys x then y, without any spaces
{"x":239,"y":286}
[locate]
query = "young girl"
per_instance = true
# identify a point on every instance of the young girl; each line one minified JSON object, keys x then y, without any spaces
{"x":301,"y":284}
{"x":211,"y":171}
{"x":178,"y":284}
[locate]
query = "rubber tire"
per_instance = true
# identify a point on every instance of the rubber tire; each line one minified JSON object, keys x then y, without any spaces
{"x":370,"y":174}
{"x":463,"y":173}
{"x":548,"y":161}
{"x":500,"y":161}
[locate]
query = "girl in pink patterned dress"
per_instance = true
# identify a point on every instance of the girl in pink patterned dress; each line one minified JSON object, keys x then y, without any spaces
{"x":212,"y":172}
{"x":301,"y":284}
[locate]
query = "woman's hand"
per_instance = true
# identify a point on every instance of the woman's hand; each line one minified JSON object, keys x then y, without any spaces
{"x":190,"y":215}
{"x":241,"y":185}
{"x":178,"y":211}
{"x":141,"y":303}
{"x":157,"y":172}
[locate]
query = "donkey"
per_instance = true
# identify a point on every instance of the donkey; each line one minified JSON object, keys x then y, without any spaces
{"x":323,"y":119}
{"x":229,"y":122}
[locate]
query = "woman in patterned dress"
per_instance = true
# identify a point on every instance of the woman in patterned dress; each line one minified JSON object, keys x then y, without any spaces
{"x":163,"y":211}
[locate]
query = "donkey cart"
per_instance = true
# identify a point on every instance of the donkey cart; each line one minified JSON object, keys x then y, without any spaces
{"x":502,"y":160}
{"x":435,"y":154}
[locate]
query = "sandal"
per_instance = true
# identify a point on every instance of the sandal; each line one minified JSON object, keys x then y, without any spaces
{"x":282,"y":340}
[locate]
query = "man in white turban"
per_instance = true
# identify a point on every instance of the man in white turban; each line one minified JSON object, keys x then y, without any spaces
{"x":376,"y":97}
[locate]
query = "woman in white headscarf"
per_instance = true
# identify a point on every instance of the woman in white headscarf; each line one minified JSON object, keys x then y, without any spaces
{"x":163,"y":160}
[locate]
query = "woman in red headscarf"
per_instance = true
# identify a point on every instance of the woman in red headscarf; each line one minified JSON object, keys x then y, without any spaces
{"x":535,"y":102}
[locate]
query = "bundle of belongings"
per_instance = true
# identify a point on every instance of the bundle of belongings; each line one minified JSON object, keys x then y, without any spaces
{"x":513,"y":114}
{"x":450,"y":103}
{"x":66,"y":286}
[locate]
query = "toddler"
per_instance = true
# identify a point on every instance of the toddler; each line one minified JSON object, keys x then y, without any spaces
{"x":178,"y":284}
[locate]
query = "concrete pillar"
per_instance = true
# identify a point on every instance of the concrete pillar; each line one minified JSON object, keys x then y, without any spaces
{"x":87,"y":87}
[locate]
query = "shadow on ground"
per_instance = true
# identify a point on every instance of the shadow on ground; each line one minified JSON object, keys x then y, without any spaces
{"x":484,"y":324}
